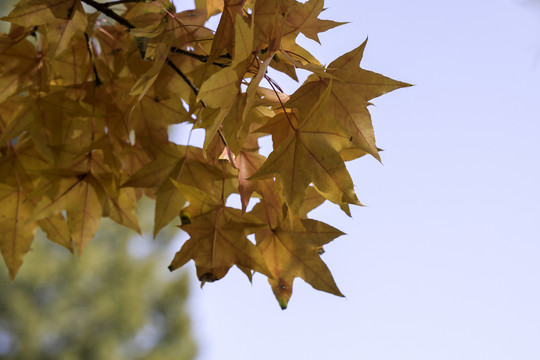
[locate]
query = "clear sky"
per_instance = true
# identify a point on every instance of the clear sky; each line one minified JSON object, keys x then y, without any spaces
{"x":443,"y":262}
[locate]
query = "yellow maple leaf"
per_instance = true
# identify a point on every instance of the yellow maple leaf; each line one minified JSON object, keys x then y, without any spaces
{"x":81,"y":197}
{"x":19,"y":69}
{"x":310,"y":154}
{"x":40,"y":12}
{"x":218,"y":238}
{"x":351,"y":88}
{"x":61,"y":32}
{"x":87,"y":99}
{"x":304,"y":18}
{"x":293,"y":251}
{"x":16,"y":235}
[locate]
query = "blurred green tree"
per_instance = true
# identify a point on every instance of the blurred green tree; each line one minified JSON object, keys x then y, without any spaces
{"x":5,"y":8}
{"x":117,"y":301}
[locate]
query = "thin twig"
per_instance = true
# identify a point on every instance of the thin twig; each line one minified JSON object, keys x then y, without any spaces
{"x":224,"y":142}
{"x":201,"y":58}
{"x":119,"y":19}
{"x":271,"y":82}
{"x":183,"y":76}
{"x":196,"y":91}
{"x":298,"y":55}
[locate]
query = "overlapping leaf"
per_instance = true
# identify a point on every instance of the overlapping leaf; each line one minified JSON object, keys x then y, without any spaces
{"x":89,"y":95}
{"x":218,"y":238}
{"x":310,"y":154}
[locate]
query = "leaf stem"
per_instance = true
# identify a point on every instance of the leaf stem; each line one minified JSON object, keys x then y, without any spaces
{"x":271,"y":82}
{"x":298,"y":55}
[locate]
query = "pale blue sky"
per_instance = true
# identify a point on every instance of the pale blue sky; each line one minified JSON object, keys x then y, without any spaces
{"x":443,"y":262}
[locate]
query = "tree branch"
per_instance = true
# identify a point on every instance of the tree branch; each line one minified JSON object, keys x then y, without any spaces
{"x":97,"y":80}
{"x":119,"y":2}
{"x":102,"y":8}
{"x":183,"y":76}
{"x":201,"y":58}
{"x":196,"y":91}
{"x":119,"y":19}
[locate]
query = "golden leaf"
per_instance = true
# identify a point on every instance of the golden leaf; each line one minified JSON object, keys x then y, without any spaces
{"x":293,"y":251}
{"x":16,"y":235}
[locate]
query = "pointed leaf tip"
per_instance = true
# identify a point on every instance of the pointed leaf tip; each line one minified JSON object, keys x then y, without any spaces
{"x":207,"y":277}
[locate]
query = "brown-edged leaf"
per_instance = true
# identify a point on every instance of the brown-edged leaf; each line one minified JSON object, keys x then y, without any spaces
{"x":293,"y":251}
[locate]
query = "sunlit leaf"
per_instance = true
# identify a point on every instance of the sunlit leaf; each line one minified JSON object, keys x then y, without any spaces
{"x":93,"y":97}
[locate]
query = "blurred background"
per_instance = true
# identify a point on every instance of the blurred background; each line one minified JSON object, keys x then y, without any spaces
{"x":118,"y":301}
{"x":441,"y":263}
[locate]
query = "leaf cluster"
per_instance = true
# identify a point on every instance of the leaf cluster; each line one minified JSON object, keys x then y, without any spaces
{"x":89,"y":90}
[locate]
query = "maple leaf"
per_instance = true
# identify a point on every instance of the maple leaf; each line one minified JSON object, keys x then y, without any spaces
{"x":224,"y":37}
{"x":169,"y":202}
{"x":307,"y":156}
{"x":350,"y":88}
{"x":81,"y":198}
{"x":158,"y":57}
{"x":248,"y":162}
{"x":178,"y":164}
{"x":219,"y":91}
{"x":151,"y":117}
{"x":16,"y":236}
{"x":154,"y":173}
{"x":294,"y":251}
{"x":61,"y":32}
{"x":304,"y":18}
{"x":89,"y":93}
{"x":212,"y":7}
{"x":120,"y":204}
{"x":56,"y":228}
{"x":19,"y":69}
{"x":269,"y":16}
{"x":40,"y":12}
{"x":218,"y":238}
{"x":216,"y":246}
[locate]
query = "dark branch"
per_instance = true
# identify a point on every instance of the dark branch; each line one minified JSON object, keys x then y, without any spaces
{"x":119,"y":2}
{"x":105,"y":10}
{"x":183,"y":76}
{"x":196,"y":91}
{"x":97,"y":80}
{"x":119,"y":19}
{"x":201,"y":58}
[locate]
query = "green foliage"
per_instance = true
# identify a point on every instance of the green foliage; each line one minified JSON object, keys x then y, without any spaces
{"x":106,"y":305}
{"x":5,"y":6}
